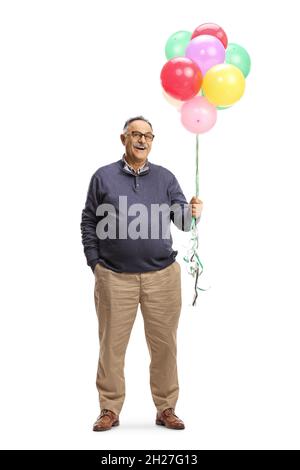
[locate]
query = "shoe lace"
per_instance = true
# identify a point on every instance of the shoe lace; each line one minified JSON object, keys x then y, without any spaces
{"x":169,"y":411}
{"x":105,"y":412}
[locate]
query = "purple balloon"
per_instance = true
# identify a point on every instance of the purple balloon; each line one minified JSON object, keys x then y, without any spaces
{"x":206,"y":51}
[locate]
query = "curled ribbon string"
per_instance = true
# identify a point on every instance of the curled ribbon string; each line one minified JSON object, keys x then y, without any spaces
{"x":192,"y":256}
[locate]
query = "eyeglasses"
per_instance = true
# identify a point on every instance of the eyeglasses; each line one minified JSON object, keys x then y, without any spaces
{"x":136,"y":135}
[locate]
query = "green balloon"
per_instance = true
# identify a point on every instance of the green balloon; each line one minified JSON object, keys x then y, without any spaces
{"x":238,"y":56}
{"x":176,"y":44}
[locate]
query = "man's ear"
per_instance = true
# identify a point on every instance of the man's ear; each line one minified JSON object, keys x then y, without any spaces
{"x":122,"y":137}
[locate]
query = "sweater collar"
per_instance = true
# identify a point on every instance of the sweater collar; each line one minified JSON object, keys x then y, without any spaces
{"x":130,"y":170}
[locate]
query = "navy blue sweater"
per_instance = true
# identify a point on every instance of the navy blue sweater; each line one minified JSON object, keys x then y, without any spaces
{"x":156,"y":185}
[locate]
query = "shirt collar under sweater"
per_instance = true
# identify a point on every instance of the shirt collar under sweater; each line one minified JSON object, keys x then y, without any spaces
{"x":128,"y":167}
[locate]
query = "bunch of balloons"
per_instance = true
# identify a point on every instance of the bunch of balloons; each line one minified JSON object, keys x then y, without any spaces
{"x":204,"y":73}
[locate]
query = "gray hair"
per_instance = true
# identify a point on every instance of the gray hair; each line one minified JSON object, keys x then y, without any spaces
{"x":136,"y":118}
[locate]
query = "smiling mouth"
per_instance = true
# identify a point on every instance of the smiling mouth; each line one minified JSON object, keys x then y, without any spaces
{"x":141,"y":149}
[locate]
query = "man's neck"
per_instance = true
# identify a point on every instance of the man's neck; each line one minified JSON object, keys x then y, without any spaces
{"x":134,"y":164}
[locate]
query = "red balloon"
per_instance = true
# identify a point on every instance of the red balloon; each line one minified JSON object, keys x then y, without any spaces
{"x":211,"y":29}
{"x":181,"y":78}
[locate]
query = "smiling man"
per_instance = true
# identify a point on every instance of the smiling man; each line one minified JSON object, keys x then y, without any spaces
{"x":135,"y":268}
{"x":137,"y":137}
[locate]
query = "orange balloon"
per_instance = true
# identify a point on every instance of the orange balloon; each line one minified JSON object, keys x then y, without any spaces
{"x":176,"y":103}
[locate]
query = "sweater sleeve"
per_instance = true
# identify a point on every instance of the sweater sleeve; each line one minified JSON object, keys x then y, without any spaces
{"x":181,"y":211}
{"x":89,"y":222}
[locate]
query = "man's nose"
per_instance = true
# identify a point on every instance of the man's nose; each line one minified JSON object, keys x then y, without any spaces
{"x":142,"y":137}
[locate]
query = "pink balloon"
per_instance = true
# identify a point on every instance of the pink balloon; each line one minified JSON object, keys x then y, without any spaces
{"x":198,"y":115}
{"x":206,"y":51}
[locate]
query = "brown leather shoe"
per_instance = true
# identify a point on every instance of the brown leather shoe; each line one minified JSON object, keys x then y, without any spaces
{"x":169,"y":419}
{"x":106,"y":420}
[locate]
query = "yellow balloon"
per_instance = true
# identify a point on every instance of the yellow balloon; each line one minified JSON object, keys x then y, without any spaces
{"x":224,"y":84}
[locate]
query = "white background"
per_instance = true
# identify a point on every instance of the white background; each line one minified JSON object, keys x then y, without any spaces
{"x":72,"y":72}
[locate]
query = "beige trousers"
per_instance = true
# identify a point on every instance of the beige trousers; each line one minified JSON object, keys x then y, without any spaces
{"x":117,"y":297}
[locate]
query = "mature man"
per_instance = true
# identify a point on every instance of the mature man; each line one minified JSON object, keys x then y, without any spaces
{"x":135,"y":267}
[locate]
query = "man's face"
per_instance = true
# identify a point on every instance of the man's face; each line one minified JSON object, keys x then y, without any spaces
{"x":137,"y":147}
